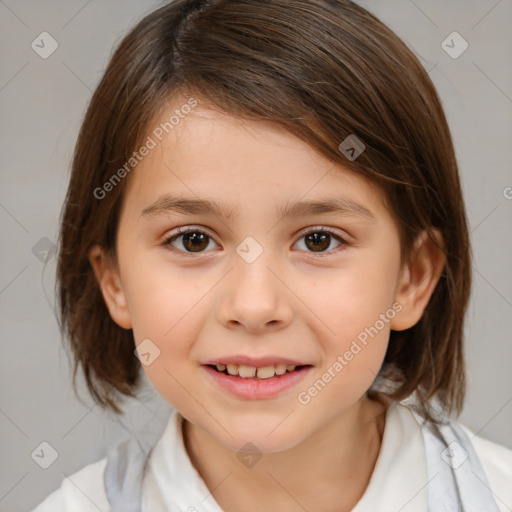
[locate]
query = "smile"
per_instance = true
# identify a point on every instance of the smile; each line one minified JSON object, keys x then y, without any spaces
{"x":247,"y":372}
{"x":253,"y":383}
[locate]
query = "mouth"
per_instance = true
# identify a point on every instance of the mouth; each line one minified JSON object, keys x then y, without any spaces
{"x":256,"y":373}
{"x":256,"y":383}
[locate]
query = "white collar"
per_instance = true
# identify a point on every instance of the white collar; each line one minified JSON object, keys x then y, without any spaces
{"x":172,"y":481}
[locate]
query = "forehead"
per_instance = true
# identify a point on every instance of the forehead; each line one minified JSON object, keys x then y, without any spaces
{"x":239,"y":164}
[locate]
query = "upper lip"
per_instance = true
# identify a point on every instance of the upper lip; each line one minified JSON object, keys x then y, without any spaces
{"x":257,"y":362}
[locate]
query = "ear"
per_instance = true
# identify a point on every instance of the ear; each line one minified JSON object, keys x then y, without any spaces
{"x":418,"y":280}
{"x":110,"y":285}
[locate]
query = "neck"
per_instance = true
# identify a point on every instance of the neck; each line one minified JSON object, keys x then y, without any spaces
{"x":329,"y":471}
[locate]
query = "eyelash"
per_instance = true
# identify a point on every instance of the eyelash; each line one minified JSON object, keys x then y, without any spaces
{"x":180,"y":232}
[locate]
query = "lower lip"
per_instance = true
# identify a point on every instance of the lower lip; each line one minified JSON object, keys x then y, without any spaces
{"x":256,"y":389}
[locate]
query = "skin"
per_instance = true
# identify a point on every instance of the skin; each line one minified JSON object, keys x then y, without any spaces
{"x":289,"y":302}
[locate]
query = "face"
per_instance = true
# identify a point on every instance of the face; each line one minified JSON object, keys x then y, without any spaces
{"x":300,"y":289}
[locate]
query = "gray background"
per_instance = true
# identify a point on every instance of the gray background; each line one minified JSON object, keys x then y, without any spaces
{"x":42,"y":102}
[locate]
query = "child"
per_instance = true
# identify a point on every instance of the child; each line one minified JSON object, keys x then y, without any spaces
{"x":265,"y":215}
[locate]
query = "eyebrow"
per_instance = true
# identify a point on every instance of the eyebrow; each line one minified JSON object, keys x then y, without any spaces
{"x":167,"y":204}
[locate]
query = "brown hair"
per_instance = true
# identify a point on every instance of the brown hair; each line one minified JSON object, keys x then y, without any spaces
{"x":321,"y":69}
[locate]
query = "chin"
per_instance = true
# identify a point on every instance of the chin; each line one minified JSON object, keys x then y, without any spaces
{"x":264,"y":436}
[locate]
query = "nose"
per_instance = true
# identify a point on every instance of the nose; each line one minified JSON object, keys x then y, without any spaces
{"x":254,"y":297}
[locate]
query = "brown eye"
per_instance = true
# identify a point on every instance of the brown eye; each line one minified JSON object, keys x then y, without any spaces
{"x":193,"y":240}
{"x":319,"y":240}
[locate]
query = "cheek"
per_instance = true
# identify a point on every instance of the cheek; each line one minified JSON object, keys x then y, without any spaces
{"x":161,"y":299}
{"x":164,"y":308}
{"x":168,"y":318}
{"x":354,"y":299}
{"x":354,"y":342}
{"x":356,"y":308}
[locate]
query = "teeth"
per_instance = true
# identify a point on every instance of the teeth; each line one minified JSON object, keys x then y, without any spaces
{"x":247,"y":372}
{"x":280,"y":369}
{"x":232,"y":369}
{"x":266,"y":372}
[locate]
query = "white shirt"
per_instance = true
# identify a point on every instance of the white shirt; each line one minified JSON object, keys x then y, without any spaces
{"x":398,"y":482}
